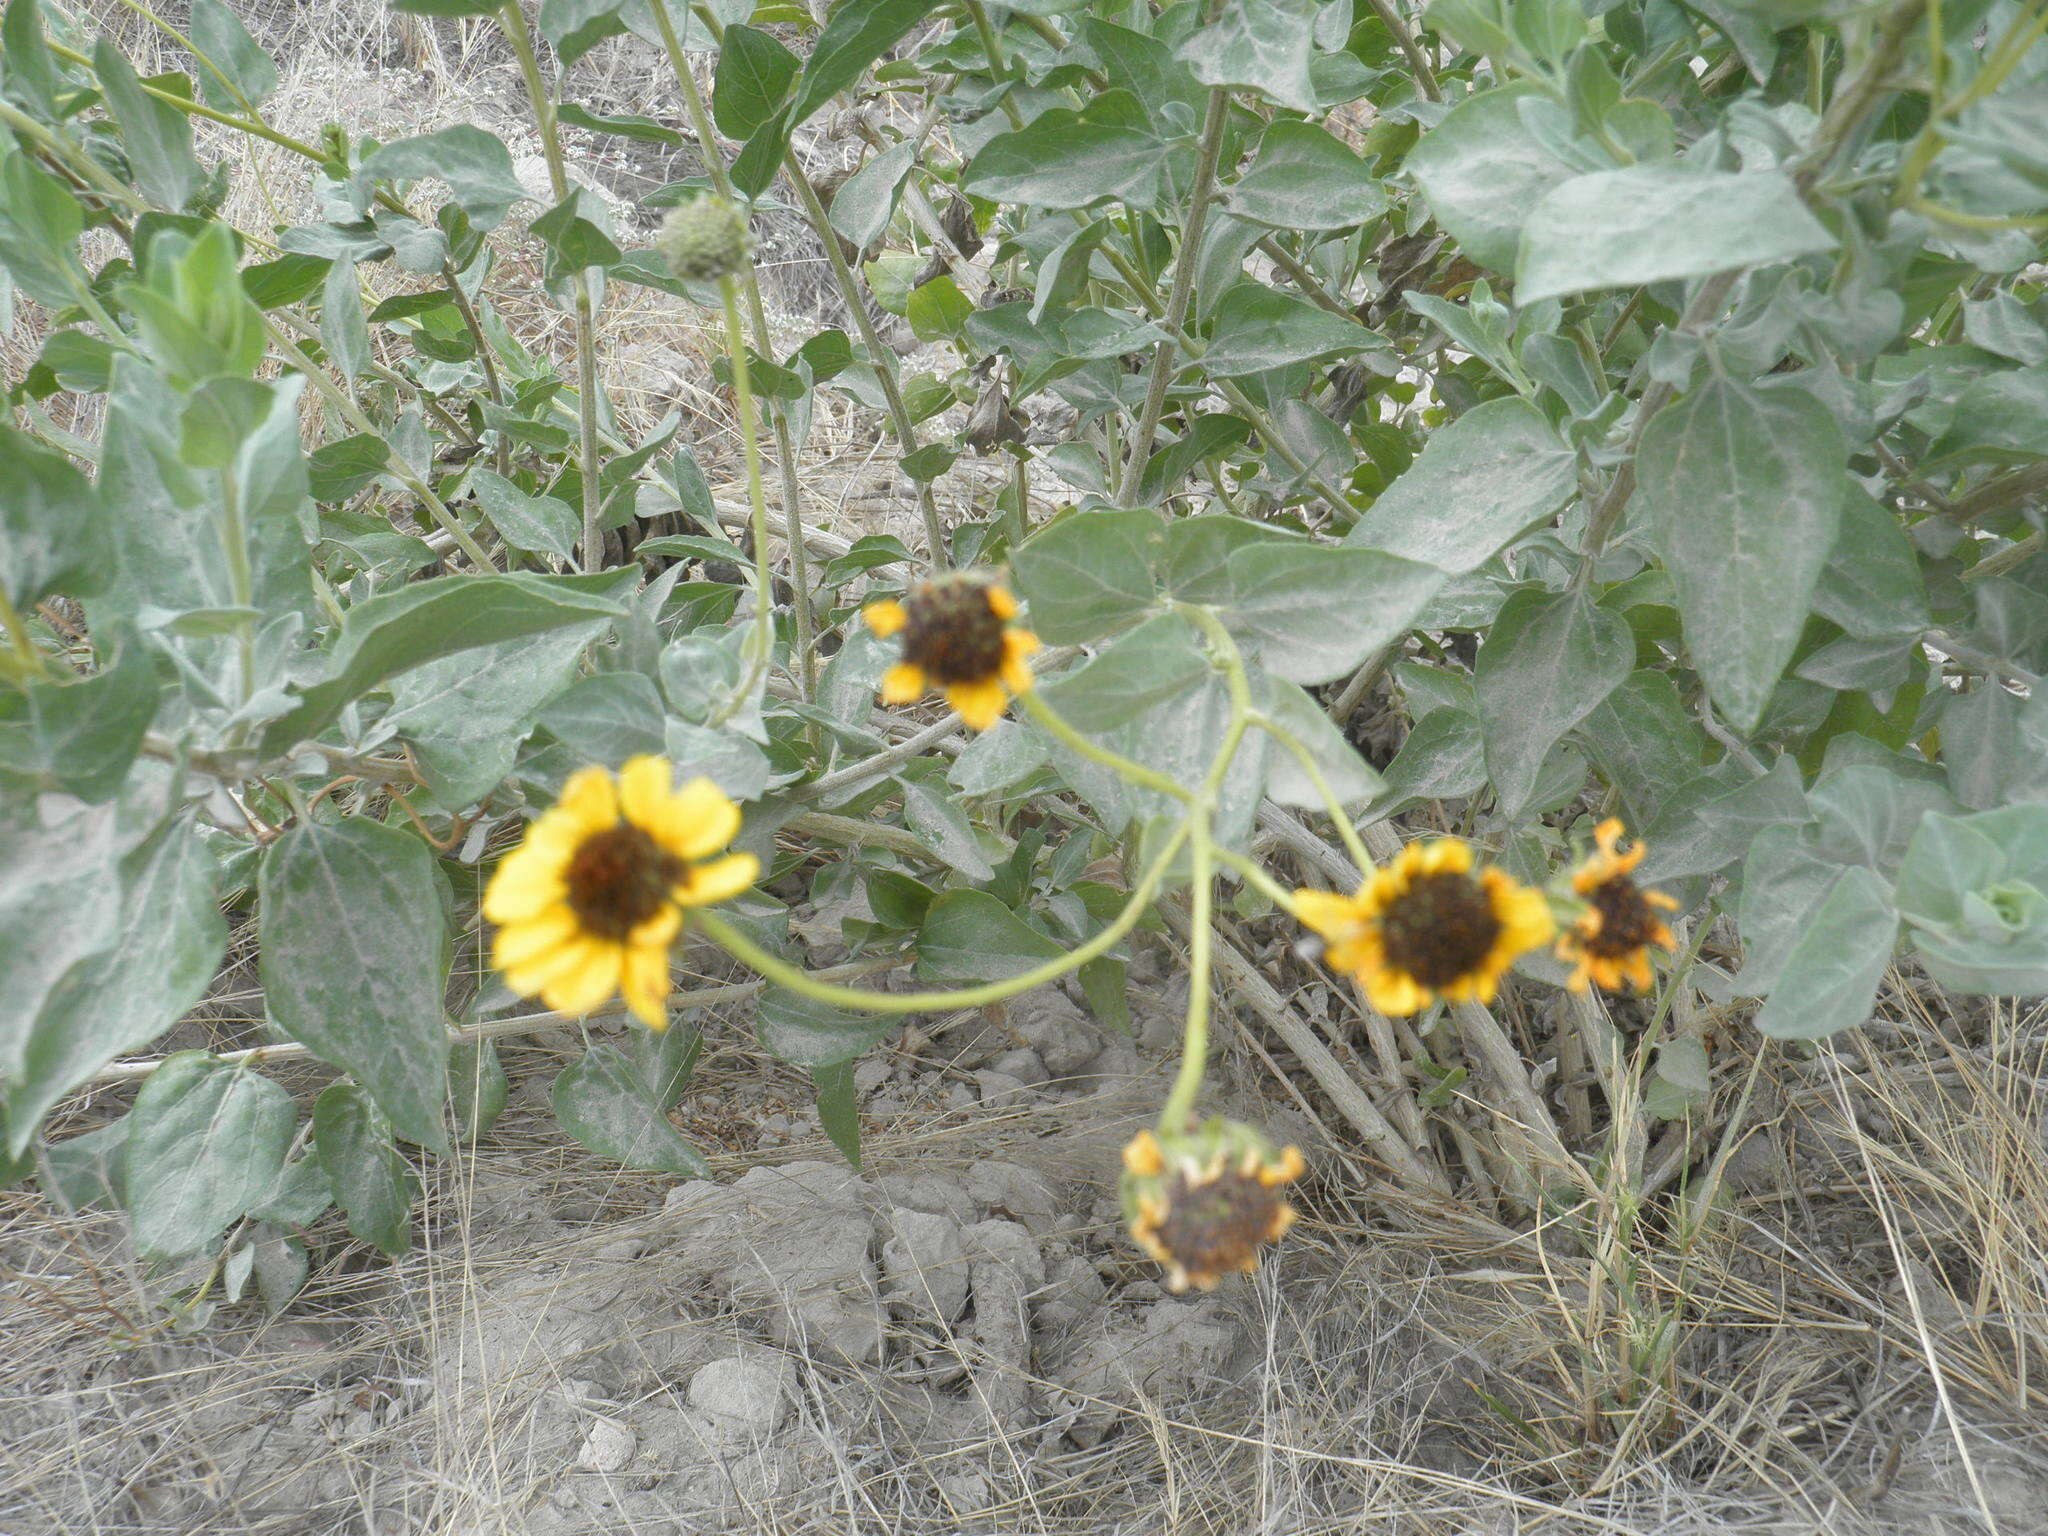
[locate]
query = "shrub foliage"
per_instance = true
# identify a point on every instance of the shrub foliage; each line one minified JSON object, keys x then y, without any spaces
{"x":1643,"y":404}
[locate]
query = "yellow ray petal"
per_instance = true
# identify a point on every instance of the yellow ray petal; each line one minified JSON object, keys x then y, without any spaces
{"x":590,"y":799}
{"x":1018,"y":645}
{"x":644,"y":789}
{"x":697,"y":821}
{"x":1447,"y":856}
{"x":658,"y":932}
{"x":903,"y":683}
{"x":980,"y":704}
{"x":1143,"y":1157}
{"x":520,"y":944}
{"x":885,"y":617}
{"x":541,"y":972}
{"x":644,"y":980}
{"x":1000,"y":602}
{"x":584,"y":986}
{"x":1326,"y":912}
{"x":719,"y":880}
{"x":1353,"y":956}
{"x":1396,"y":993}
{"x":522,"y":886}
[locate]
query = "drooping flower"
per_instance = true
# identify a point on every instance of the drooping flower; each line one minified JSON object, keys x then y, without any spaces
{"x":1205,"y":1204}
{"x":591,"y":900}
{"x":957,"y":638}
{"x":1609,"y":945}
{"x":1428,"y":924}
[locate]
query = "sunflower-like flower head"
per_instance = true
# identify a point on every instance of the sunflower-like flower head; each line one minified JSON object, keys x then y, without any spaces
{"x":590,"y":901}
{"x":1609,"y":945}
{"x":1205,"y":1203}
{"x":957,"y":638}
{"x":1428,"y":924}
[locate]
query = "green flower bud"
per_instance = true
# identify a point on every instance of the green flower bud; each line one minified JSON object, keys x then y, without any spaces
{"x":705,"y":238}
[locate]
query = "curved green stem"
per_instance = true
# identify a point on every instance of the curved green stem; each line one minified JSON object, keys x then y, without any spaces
{"x":1332,"y":806}
{"x":1179,"y":1110}
{"x":1116,"y":762}
{"x":781,"y":972}
{"x":1252,"y":874}
{"x":1194,"y":1060}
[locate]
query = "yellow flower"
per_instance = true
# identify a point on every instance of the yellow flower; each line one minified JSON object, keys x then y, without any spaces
{"x":1609,"y":945}
{"x":1426,"y":925}
{"x":1205,"y":1204}
{"x":957,"y":638}
{"x":589,"y":903}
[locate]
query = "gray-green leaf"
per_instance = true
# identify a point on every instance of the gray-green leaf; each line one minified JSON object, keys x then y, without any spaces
{"x":601,"y":1101}
{"x":169,"y":941}
{"x":1741,"y":493}
{"x":1478,"y":485}
{"x":371,"y":1180}
{"x":1649,"y":223}
{"x":1314,"y":612}
{"x":1831,"y":977}
{"x":1482,"y":171}
{"x":1549,"y":660}
{"x":971,"y":936}
{"x":1255,"y":329}
{"x":355,"y":958}
{"x":205,"y":1142}
{"x":1304,"y":178}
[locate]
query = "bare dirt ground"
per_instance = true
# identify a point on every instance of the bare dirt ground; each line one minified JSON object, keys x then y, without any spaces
{"x":959,"y":1339}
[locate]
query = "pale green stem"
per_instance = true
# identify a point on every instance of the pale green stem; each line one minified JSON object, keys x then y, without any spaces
{"x":781,"y":972}
{"x":1140,"y":446}
{"x":234,"y":542}
{"x":761,"y":643}
{"x":884,"y":360}
{"x":764,"y":341}
{"x":1418,"y":61}
{"x":516,"y":33}
{"x":1176,"y":1115}
{"x":1187,"y":1082}
{"x":1335,"y":809}
{"x":1249,"y":871}
{"x":251,"y":125}
{"x":345,"y":403}
{"x":1137,"y":773}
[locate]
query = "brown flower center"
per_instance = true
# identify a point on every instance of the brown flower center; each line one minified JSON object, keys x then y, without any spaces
{"x":952,"y":633}
{"x":1440,"y":929}
{"x":1217,"y":1227}
{"x":1627,"y":920}
{"x":619,"y":878}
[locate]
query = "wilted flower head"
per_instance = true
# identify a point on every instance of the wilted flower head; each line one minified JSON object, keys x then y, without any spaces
{"x":1428,"y":924}
{"x":957,"y":638}
{"x":1609,"y":945}
{"x":591,"y":899}
{"x":1205,"y":1204}
{"x":705,"y":238}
